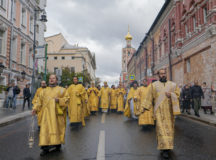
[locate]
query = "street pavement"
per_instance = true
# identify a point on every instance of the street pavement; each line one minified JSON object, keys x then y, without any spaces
{"x":111,"y":137}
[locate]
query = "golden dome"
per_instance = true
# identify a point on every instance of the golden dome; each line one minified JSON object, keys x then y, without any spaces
{"x":128,"y":36}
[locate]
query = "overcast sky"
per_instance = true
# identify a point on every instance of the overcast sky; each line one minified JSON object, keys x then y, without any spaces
{"x":101,"y":26}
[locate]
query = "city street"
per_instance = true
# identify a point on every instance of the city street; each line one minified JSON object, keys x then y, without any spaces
{"x":113,"y":136}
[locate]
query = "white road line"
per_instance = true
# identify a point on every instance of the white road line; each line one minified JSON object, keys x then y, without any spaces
{"x":101,"y":146}
{"x":103,"y":118}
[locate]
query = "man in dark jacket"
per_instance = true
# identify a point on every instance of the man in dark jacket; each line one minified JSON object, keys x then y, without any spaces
{"x":186,"y":98}
{"x":197,"y":93}
{"x":26,"y":96}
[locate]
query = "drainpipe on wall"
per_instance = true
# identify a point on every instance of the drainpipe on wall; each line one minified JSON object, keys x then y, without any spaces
{"x":153,"y":60}
{"x":146,"y":60}
{"x":170,"y":51}
{"x":11,"y":40}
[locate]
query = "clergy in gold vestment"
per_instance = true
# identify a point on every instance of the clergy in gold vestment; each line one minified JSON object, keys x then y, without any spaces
{"x":120,"y":98}
{"x":76,"y":106}
{"x":34,"y":100}
{"x":165,"y":97}
{"x":145,"y":118}
{"x":93,"y":98}
{"x":86,"y":107}
{"x":113,"y":98}
{"x":53,"y":101}
{"x":131,"y":105}
{"x":105,"y":97}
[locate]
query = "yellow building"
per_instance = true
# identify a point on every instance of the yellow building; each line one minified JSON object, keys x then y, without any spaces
{"x":61,"y":55}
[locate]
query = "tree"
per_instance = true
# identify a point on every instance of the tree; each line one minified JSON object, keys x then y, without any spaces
{"x":67,"y":77}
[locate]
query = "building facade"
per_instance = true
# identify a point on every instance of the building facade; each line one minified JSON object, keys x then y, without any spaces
{"x":61,"y":55}
{"x":16,"y":40}
{"x":182,"y":39}
{"x":127,"y":54}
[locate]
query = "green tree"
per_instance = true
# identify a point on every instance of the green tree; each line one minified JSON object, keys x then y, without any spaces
{"x":67,"y":77}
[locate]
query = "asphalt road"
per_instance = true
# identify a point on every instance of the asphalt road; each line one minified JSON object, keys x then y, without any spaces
{"x":113,"y":136}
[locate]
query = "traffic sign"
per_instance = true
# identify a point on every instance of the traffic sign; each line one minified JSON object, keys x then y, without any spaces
{"x":132,"y":77}
{"x":80,"y":79}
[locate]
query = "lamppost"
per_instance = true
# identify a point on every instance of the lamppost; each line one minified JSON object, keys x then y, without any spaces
{"x":43,"y":19}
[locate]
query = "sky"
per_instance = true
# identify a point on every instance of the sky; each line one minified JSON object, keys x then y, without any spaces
{"x":101,"y":26}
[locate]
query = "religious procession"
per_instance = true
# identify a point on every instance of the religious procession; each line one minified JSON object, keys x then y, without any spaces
{"x":52,"y":104}
{"x":107,"y":80}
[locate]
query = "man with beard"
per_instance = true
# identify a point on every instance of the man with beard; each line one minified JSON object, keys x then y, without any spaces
{"x":93,"y":98}
{"x":131,"y":105}
{"x":145,"y":118}
{"x":39,"y":90}
{"x":164,"y":95}
{"x":78,"y":97}
{"x":105,"y":97}
{"x":53,"y":102}
{"x":120,"y":98}
{"x":113,"y":99}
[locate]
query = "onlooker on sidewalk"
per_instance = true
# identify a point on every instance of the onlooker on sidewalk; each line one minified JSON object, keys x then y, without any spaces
{"x":197,"y":93}
{"x":206,"y":100}
{"x":213,"y":98}
{"x":192,"y":102}
{"x":26,"y":96}
{"x":12,"y":92}
{"x":186,"y":98}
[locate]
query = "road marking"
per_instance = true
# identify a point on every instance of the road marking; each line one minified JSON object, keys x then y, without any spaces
{"x":101,"y":146}
{"x":103,"y":118}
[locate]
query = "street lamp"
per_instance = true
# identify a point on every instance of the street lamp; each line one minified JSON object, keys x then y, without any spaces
{"x":43,"y":19}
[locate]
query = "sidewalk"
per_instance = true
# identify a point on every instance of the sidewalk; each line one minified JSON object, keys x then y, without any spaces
{"x":8,"y":116}
{"x":208,"y":118}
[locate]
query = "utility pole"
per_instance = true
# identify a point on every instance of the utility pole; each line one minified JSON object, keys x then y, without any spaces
{"x":170,"y":51}
{"x":45,"y":70}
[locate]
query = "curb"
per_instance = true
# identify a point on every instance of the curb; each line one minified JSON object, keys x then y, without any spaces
{"x":14,"y":118}
{"x":199,"y":120}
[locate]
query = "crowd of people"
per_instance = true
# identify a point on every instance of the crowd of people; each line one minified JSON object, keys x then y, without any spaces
{"x":53,"y":103}
{"x":196,"y":97}
{"x":151,"y":104}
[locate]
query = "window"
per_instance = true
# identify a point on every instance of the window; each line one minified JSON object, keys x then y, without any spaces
{"x":73,"y":69}
{"x":55,"y":69}
{"x":3,"y":3}
{"x":14,"y":49}
{"x":72,"y":57}
{"x":55,"y":58}
{"x":23,"y":53}
{"x":31,"y":24}
{"x":37,"y":28}
{"x":188,"y":66}
{"x":30,"y":58}
{"x":23,"y":17}
{"x":14,"y":9}
{"x":1,"y":41}
{"x":205,"y":14}
{"x":194,"y":23}
{"x":63,"y":58}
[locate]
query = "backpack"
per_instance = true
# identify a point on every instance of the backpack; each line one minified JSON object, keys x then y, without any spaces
{"x":17,"y":90}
